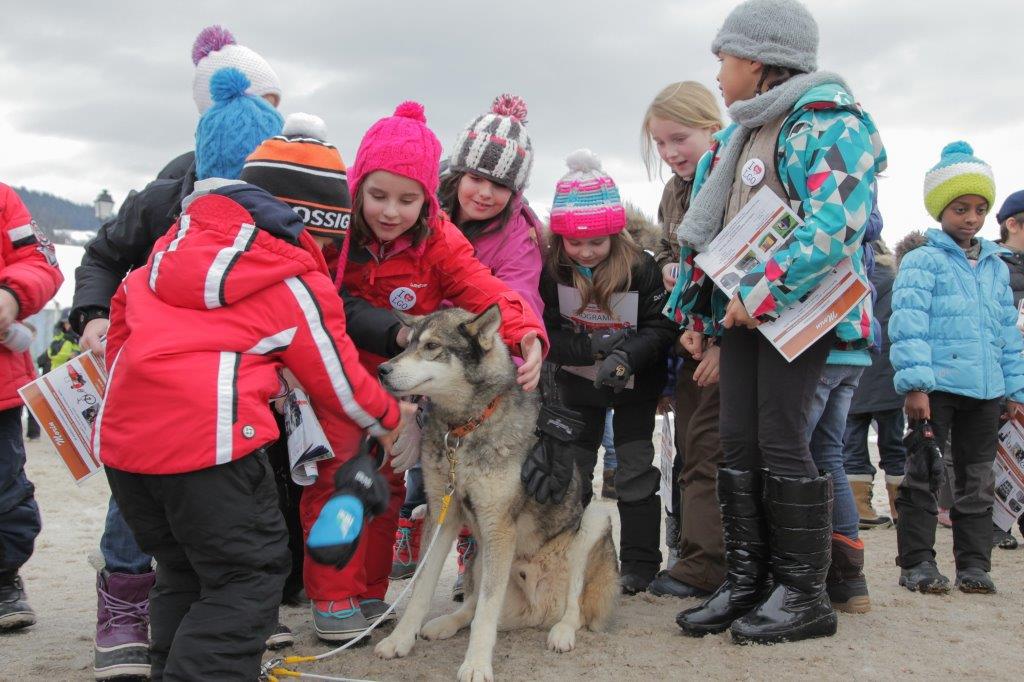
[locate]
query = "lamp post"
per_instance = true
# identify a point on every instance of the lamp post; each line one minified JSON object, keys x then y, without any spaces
{"x":103,"y":205}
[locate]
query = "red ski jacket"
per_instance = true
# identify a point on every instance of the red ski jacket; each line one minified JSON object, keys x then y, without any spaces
{"x":417,"y":279}
{"x":235,"y":291}
{"x":28,"y":270}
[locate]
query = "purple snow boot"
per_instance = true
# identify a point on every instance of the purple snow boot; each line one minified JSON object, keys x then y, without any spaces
{"x":122,"y":625}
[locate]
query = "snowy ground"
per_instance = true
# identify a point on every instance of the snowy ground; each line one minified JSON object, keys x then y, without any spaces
{"x":952,"y":637}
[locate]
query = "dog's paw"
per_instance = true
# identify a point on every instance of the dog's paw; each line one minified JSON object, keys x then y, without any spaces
{"x":562,"y":638}
{"x":476,"y":671}
{"x":394,"y":645}
{"x":441,"y":627}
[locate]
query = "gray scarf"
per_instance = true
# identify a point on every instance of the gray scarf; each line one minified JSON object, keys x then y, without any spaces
{"x":703,"y":220}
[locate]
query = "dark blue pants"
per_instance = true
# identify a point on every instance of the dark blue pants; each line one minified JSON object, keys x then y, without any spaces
{"x":19,"y":515}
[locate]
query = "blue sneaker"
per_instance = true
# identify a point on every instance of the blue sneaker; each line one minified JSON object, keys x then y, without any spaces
{"x":338,"y":621}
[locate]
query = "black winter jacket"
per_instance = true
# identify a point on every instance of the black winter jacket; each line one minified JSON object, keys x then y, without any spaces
{"x":123,"y":243}
{"x":1015,"y":262}
{"x":876,"y":391}
{"x":647,"y":349}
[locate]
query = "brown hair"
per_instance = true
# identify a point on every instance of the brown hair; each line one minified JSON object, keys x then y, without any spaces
{"x":689,"y":104}
{"x":448,"y":197}
{"x":1004,"y":232}
{"x":614,"y":274}
{"x":361,"y":234}
{"x":772,"y":76}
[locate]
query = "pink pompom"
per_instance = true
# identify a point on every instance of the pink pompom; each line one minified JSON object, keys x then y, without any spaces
{"x":210,"y":39}
{"x":510,"y":105}
{"x":413,"y":110}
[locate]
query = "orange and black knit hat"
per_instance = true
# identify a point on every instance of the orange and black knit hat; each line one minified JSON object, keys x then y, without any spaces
{"x":306,"y":173}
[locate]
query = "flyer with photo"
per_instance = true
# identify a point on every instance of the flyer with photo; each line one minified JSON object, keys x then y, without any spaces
{"x":66,"y":402}
{"x":624,"y":306}
{"x":307,"y":443}
{"x":763,"y":227}
{"x":1009,"y":473}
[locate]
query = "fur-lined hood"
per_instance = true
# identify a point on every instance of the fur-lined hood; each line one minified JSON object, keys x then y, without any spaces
{"x":643,"y":231}
{"x":913,"y":240}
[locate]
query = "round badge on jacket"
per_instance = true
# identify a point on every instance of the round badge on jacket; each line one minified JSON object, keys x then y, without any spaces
{"x":402,"y":298}
{"x":753,"y":172}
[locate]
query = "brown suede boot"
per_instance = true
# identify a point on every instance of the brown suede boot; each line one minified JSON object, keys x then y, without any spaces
{"x":861,"y":484}
{"x":892,"y":484}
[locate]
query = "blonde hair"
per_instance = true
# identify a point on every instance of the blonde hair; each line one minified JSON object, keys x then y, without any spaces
{"x":688,"y":103}
{"x":612,"y":275}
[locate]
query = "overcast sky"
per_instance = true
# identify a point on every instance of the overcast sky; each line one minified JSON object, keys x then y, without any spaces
{"x":101,"y":96}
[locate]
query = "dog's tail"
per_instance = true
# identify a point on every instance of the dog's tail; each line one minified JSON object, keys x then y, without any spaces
{"x":600,"y":594}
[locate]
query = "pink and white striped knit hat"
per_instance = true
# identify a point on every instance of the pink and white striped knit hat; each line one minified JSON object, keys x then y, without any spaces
{"x":587,"y":201}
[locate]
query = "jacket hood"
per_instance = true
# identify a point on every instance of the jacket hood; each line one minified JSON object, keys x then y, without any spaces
{"x":835,"y":96}
{"x":910,"y":242}
{"x":644,"y":232}
{"x":232,"y":240}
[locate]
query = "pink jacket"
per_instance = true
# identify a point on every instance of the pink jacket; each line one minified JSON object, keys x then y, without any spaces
{"x":513,"y":255}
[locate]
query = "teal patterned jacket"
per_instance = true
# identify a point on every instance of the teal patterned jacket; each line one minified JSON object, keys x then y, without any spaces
{"x":829,"y":155}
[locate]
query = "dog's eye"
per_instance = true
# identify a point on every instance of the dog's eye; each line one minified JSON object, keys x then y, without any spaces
{"x":431,"y":345}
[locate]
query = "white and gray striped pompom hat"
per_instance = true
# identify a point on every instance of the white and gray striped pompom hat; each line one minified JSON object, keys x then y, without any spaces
{"x":496,"y":145}
{"x":958,"y":173}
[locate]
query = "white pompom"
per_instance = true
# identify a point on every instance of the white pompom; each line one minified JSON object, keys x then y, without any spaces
{"x":583,"y":160}
{"x":305,"y":125}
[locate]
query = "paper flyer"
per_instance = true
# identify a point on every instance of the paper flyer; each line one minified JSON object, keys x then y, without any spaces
{"x":65,"y":402}
{"x":307,"y":443}
{"x":624,"y":305}
{"x":1008,"y":468}
{"x":763,"y":227}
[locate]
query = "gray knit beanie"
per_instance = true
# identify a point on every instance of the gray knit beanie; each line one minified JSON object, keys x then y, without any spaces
{"x":773,"y":32}
{"x":496,"y":146}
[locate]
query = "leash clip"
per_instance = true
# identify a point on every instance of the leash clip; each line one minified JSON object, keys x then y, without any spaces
{"x":267,"y":669}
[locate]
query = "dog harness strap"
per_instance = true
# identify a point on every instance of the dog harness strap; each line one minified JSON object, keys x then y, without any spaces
{"x":464,"y":429}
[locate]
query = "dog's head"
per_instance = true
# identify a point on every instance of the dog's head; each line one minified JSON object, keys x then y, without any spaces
{"x":452,"y":355}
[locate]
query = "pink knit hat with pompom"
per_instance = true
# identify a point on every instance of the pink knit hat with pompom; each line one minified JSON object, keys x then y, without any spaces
{"x":401,"y":144}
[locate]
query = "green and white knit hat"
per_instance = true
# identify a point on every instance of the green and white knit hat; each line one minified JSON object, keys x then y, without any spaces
{"x":957,"y":173}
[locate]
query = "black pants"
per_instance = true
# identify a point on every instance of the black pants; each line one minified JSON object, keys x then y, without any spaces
{"x":972,"y":427}
{"x":19,"y":514}
{"x":289,"y":494}
{"x":764,"y":403}
{"x":221,"y":548}
{"x":636,"y":479}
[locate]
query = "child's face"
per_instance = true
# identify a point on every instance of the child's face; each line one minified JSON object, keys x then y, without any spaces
{"x":737,"y":78}
{"x":391,"y":204}
{"x":587,"y":252}
{"x":679,"y":146}
{"x":481,"y":199}
{"x":964,"y":216}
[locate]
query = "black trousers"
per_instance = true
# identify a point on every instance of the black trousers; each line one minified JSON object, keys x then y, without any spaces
{"x":636,"y":479}
{"x":19,"y":514}
{"x":221,"y":548}
{"x":764,"y":403}
{"x":972,"y":427}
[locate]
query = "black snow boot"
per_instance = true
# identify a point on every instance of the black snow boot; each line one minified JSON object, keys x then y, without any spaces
{"x":746,"y":556}
{"x":639,"y":543}
{"x":800,"y":517}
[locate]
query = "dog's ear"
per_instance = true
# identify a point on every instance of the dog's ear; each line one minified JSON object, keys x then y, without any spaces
{"x":408,"y":320}
{"x":484,"y":327}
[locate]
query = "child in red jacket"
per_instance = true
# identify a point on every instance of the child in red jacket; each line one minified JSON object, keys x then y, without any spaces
{"x":403,"y":253}
{"x":29,"y":277}
{"x":235,"y":292}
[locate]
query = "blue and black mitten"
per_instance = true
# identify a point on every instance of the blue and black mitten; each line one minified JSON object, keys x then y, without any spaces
{"x":360,"y":494}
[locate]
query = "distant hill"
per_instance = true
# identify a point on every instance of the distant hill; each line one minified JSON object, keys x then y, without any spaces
{"x":57,"y":217}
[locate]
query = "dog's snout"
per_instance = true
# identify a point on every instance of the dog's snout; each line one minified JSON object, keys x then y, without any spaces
{"x":384,"y":370}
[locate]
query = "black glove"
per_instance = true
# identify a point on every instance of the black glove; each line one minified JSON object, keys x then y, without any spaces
{"x":360,"y":494}
{"x":604,"y":341}
{"x":547,"y":471}
{"x":614,"y":371}
{"x":924,"y":456}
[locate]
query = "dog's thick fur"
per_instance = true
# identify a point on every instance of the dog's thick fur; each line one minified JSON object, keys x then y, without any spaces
{"x":550,"y":566}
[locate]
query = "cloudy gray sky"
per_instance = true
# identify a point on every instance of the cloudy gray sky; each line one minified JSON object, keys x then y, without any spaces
{"x":100,"y":94}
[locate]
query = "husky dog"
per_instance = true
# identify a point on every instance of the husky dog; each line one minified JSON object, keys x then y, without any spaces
{"x":547,"y":566}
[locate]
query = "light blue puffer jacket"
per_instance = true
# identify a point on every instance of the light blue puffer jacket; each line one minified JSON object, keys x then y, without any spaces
{"x":953,"y":326}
